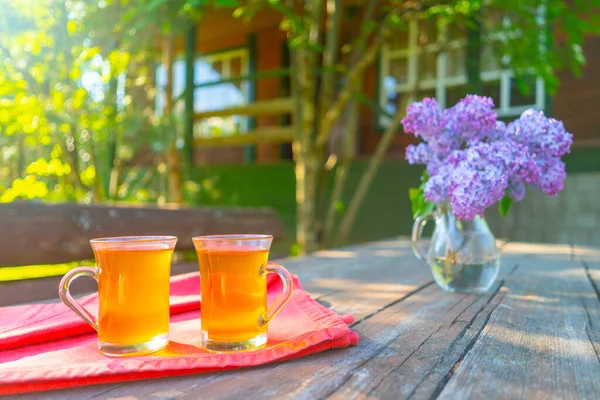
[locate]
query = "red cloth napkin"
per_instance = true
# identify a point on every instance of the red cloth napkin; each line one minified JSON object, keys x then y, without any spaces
{"x":46,"y":346}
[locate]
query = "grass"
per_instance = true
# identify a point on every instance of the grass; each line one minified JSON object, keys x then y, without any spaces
{"x":38,"y":271}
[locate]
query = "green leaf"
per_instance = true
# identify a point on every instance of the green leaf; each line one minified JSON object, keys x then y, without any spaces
{"x":504,"y":205}
{"x":417,"y":198}
{"x":428,"y":208}
{"x":413,"y":195}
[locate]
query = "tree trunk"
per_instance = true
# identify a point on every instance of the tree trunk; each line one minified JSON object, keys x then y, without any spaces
{"x":341,"y":172}
{"x":348,"y":147}
{"x":111,"y":100}
{"x":324,"y":99}
{"x":175,"y":186}
{"x":306,"y":179}
{"x":380,"y":152}
{"x":172,"y":156}
{"x":305,"y":154}
{"x":114,"y":161}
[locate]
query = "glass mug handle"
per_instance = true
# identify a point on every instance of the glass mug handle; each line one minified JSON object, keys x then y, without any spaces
{"x":417,"y":231}
{"x":282,"y":299}
{"x":65,"y":295}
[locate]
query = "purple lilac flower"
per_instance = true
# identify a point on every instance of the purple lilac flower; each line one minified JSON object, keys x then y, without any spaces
{"x":543,"y":136}
{"x":516,"y":191}
{"x":471,"y":118}
{"x":498,"y":132}
{"x":521,"y":166}
{"x":423,"y":118}
{"x":445,"y":143}
{"x":478,"y":180}
{"x":473,"y":160}
{"x":436,"y":163}
{"x":437,"y":187}
{"x":418,"y":153}
{"x":551,"y":176}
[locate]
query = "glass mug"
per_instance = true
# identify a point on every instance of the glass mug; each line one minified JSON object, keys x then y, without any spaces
{"x":133,"y":275}
{"x":233,"y":277}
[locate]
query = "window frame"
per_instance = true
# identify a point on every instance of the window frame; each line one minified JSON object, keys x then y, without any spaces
{"x":442,"y":82}
{"x":241,"y":52}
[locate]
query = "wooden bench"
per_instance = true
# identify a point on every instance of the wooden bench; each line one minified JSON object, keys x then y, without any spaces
{"x":36,"y":233}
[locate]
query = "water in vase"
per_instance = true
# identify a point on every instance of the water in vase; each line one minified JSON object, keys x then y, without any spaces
{"x":467,"y":278}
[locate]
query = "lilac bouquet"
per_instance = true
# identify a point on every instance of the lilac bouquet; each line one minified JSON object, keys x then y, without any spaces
{"x":474,"y":161}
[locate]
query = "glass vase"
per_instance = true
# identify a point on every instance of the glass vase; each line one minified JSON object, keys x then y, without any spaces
{"x":462,"y":254}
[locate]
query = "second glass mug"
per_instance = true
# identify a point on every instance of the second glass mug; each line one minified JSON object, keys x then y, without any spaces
{"x":233,"y":271}
{"x":133,"y":275}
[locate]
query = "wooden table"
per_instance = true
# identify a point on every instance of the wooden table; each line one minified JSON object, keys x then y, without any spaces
{"x":536,"y":335}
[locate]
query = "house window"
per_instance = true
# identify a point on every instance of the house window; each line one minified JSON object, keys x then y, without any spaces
{"x":414,"y":56}
{"x":215,"y":74}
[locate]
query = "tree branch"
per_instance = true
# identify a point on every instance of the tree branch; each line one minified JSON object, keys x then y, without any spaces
{"x":334,"y":12}
{"x":341,"y":172}
{"x":382,"y":147}
{"x":324,"y":98}
{"x":349,"y":135}
{"x":384,"y":30}
{"x":336,"y":110}
{"x":361,"y":40}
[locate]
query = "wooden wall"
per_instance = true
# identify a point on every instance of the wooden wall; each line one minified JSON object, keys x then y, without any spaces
{"x":577,"y":101}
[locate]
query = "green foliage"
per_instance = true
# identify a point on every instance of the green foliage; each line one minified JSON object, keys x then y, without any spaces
{"x":504,"y":205}
{"x":420,"y":207}
{"x":75,"y":95}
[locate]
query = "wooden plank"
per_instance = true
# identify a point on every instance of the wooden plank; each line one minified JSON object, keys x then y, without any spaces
{"x":282,"y":105}
{"x":540,"y":341}
{"x":34,"y":233}
{"x":416,"y":361}
{"x":590,"y":257}
{"x":275,"y":134}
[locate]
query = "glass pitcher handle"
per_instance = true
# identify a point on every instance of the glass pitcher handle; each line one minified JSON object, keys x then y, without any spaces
{"x":286,"y":280}
{"x":65,"y":295}
{"x":417,"y":231}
